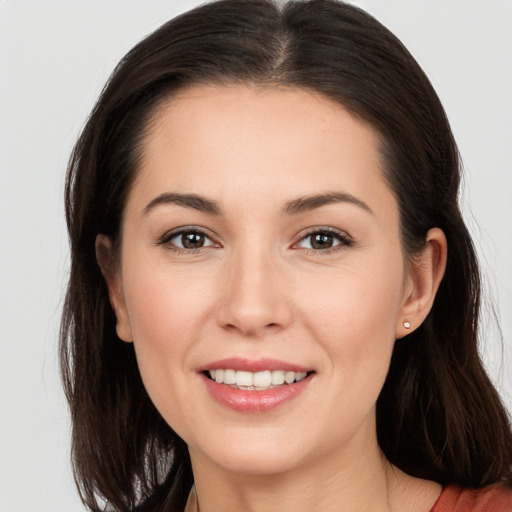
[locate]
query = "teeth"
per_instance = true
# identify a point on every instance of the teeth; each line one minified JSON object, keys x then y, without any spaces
{"x":289,"y":377}
{"x":262,"y":379}
{"x":299,"y":376}
{"x":277,"y":377}
{"x":243,"y":378}
{"x":229,"y":377}
{"x":255,"y":381}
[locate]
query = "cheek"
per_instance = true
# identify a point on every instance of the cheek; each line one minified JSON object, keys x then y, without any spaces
{"x":356,"y":327}
{"x":356,"y":299}
{"x":353,"y":315}
{"x":167,"y":314}
{"x":165,"y":306}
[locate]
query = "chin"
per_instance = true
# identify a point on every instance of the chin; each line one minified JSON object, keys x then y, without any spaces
{"x":271,"y":462}
{"x":256,"y":451}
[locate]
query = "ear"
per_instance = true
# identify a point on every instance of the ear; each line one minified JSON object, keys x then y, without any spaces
{"x":425,"y":273}
{"x":112,"y":274}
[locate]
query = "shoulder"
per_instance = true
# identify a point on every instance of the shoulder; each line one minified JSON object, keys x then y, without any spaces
{"x":493,"y":498}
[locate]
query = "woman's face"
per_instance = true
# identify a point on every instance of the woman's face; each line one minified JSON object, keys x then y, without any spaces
{"x":261,"y":241}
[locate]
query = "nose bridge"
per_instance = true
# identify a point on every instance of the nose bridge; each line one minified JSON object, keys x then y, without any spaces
{"x":254,"y":298}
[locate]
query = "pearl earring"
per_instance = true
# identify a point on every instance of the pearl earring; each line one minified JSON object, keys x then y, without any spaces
{"x":407,"y":324}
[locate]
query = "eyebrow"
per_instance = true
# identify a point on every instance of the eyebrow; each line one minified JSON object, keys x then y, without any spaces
{"x":308,"y":203}
{"x":294,"y":207}
{"x":188,"y":201}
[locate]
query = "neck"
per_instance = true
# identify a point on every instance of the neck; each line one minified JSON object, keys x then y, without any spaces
{"x":358,"y":477}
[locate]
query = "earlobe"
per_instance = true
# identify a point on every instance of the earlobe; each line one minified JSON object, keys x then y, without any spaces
{"x":111,"y":273}
{"x":426,"y":270}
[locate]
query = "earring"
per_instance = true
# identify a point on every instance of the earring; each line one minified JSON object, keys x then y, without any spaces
{"x":407,"y":324}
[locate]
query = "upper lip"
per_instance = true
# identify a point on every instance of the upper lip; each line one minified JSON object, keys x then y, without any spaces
{"x":254,"y":365}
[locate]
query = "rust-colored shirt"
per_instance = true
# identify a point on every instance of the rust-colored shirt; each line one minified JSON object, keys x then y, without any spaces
{"x":494,"y":498}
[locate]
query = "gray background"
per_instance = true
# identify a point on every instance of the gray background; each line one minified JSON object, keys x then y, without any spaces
{"x":54,"y":59}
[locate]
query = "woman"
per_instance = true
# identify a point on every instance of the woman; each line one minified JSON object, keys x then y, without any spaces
{"x":273,"y":298}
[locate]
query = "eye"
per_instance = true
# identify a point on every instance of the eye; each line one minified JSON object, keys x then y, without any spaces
{"x":187,"y":239}
{"x":324,"y":240}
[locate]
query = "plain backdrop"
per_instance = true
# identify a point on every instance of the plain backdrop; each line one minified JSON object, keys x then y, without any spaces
{"x":55,"y":56}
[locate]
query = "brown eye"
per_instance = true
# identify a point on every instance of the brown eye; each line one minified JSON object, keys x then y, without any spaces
{"x":189,"y":239}
{"x":192,"y":240}
{"x":321,"y":241}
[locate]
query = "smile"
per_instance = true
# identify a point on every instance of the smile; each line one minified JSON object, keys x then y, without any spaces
{"x":255,"y":381}
{"x":247,"y":386}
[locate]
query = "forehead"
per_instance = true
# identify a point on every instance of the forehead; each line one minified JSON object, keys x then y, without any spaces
{"x":274,"y":141}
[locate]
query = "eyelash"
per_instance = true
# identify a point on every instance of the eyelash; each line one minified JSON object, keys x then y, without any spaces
{"x":166,"y":239}
{"x":344,"y":240}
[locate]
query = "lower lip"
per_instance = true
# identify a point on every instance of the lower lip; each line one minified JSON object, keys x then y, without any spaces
{"x":255,"y":401}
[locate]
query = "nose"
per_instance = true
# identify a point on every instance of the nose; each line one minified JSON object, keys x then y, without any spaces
{"x":254,"y":297}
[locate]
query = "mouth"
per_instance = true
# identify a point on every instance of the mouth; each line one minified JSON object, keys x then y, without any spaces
{"x":255,"y":381}
{"x":255,"y":386}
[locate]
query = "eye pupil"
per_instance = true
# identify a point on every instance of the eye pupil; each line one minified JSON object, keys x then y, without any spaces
{"x":192,"y":240}
{"x":321,"y":241}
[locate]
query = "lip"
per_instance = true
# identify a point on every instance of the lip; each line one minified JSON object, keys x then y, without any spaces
{"x":259,"y":365}
{"x":254,"y":401}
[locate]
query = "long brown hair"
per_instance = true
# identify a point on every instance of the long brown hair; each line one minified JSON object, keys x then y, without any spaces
{"x":438,"y":415}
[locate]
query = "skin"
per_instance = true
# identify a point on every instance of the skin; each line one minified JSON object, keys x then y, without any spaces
{"x":258,"y":289}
